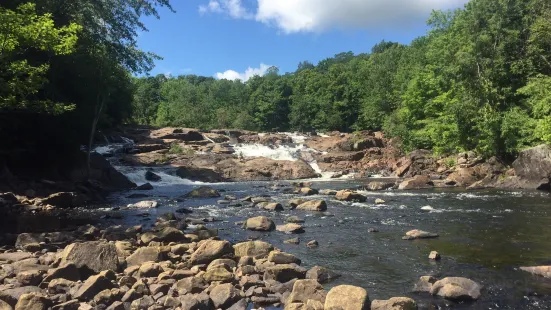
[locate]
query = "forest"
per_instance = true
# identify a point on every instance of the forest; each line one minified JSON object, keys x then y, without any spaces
{"x":480,"y":79}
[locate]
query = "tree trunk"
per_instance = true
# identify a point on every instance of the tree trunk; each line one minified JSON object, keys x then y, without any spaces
{"x":99,"y":107}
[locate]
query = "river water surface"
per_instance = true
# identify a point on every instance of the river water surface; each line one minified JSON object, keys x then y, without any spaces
{"x":484,"y":236}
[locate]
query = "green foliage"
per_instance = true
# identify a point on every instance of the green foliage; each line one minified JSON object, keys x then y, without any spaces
{"x":175,"y":148}
{"x":21,"y":78}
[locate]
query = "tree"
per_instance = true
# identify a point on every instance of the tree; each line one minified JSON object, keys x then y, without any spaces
{"x":23,"y":30}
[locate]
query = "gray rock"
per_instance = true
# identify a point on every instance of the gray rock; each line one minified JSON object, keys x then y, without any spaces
{"x":92,"y":287}
{"x":94,"y":255}
{"x":224,"y":295}
{"x":144,"y":254}
{"x":256,"y":249}
{"x":259,"y":223}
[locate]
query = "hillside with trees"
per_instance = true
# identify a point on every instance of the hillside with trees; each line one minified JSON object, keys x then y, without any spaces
{"x":480,"y":79}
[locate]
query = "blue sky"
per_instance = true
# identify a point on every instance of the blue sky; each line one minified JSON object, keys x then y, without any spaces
{"x":224,"y":38}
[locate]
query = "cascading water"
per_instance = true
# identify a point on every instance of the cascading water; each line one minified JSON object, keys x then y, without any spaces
{"x":297,"y":150}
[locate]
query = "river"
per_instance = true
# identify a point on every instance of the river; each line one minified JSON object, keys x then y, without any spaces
{"x":484,"y":235}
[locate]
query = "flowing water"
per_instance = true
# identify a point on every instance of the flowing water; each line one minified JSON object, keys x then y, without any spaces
{"x":484,"y":235}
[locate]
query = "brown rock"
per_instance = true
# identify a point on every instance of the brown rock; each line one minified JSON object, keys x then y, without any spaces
{"x":256,"y":249}
{"x":544,"y":271}
{"x":203,"y":192}
{"x":11,"y":296}
{"x":92,"y":287}
{"x":68,"y":271}
{"x":419,"y":234}
{"x":348,"y":195}
{"x":347,"y":297}
{"x":191,"y":285}
{"x":32,"y":301}
{"x":293,"y":203}
{"x":284,"y":272}
{"x":30,"y":277}
{"x":5,"y":306}
{"x":260,"y":223}
{"x":424,"y":284}
{"x":149,"y":270}
{"x":304,"y":290}
{"x":395,"y":303}
{"x":224,"y":295}
{"x":456,"y":288}
{"x":417,"y":182}
{"x":143,"y":255}
{"x":434,"y":255}
{"x":321,"y":274}
{"x":196,"y":302}
{"x":290,"y":228}
{"x":218,"y":273}
{"x":210,"y":250}
{"x":313,"y":205}
{"x":278,"y":257}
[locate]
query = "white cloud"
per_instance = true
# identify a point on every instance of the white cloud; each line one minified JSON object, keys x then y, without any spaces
{"x":233,"y":8}
{"x":249,"y":73}
{"x":317,"y":15}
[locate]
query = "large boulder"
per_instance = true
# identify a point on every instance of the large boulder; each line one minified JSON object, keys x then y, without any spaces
{"x":534,"y":163}
{"x":417,"y":182}
{"x":313,"y":205}
{"x":348,"y":195}
{"x":394,"y":303}
{"x":259,"y":223}
{"x":456,"y":288}
{"x":264,"y":169}
{"x":533,"y":167}
{"x":210,"y":250}
{"x":182,"y":134}
{"x":151,"y":176}
{"x":347,"y":297}
{"x":200,"y":174}
{"x":256,"y":249}
{"x":203,"y":192}
{"x":95,"y":256}
{"x":544,"y":271}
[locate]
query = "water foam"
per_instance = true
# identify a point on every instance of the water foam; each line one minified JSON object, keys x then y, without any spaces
{"x":138,"y":176}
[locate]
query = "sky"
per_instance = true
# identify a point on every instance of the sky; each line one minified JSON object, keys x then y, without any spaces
{"x":237,"y":39}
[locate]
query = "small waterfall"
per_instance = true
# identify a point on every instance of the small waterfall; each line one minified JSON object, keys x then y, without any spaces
{"x":297,"y":150}
{"x":137,"y":175}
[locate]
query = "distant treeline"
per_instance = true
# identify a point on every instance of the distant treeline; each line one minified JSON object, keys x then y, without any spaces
{"x":478,"y":80}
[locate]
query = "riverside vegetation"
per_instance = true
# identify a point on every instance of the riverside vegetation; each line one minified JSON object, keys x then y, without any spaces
{"x":474,"y":93}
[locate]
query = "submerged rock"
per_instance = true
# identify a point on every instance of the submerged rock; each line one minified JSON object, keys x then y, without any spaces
{"x":544,"y":271}
{"x":394,"y":303}
{"x":146,"y":204}
{"x":456,"y":288}
{"x":419,"y":234}
{"x":424,"y":284}
{"x":203,"y":192}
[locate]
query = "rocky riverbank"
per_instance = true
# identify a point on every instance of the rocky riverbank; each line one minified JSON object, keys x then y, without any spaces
{"x":219,"y":156}
{"x":181,"y":264}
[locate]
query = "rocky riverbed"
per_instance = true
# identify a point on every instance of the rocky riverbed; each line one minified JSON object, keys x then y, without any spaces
{"x":257,"y":239}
